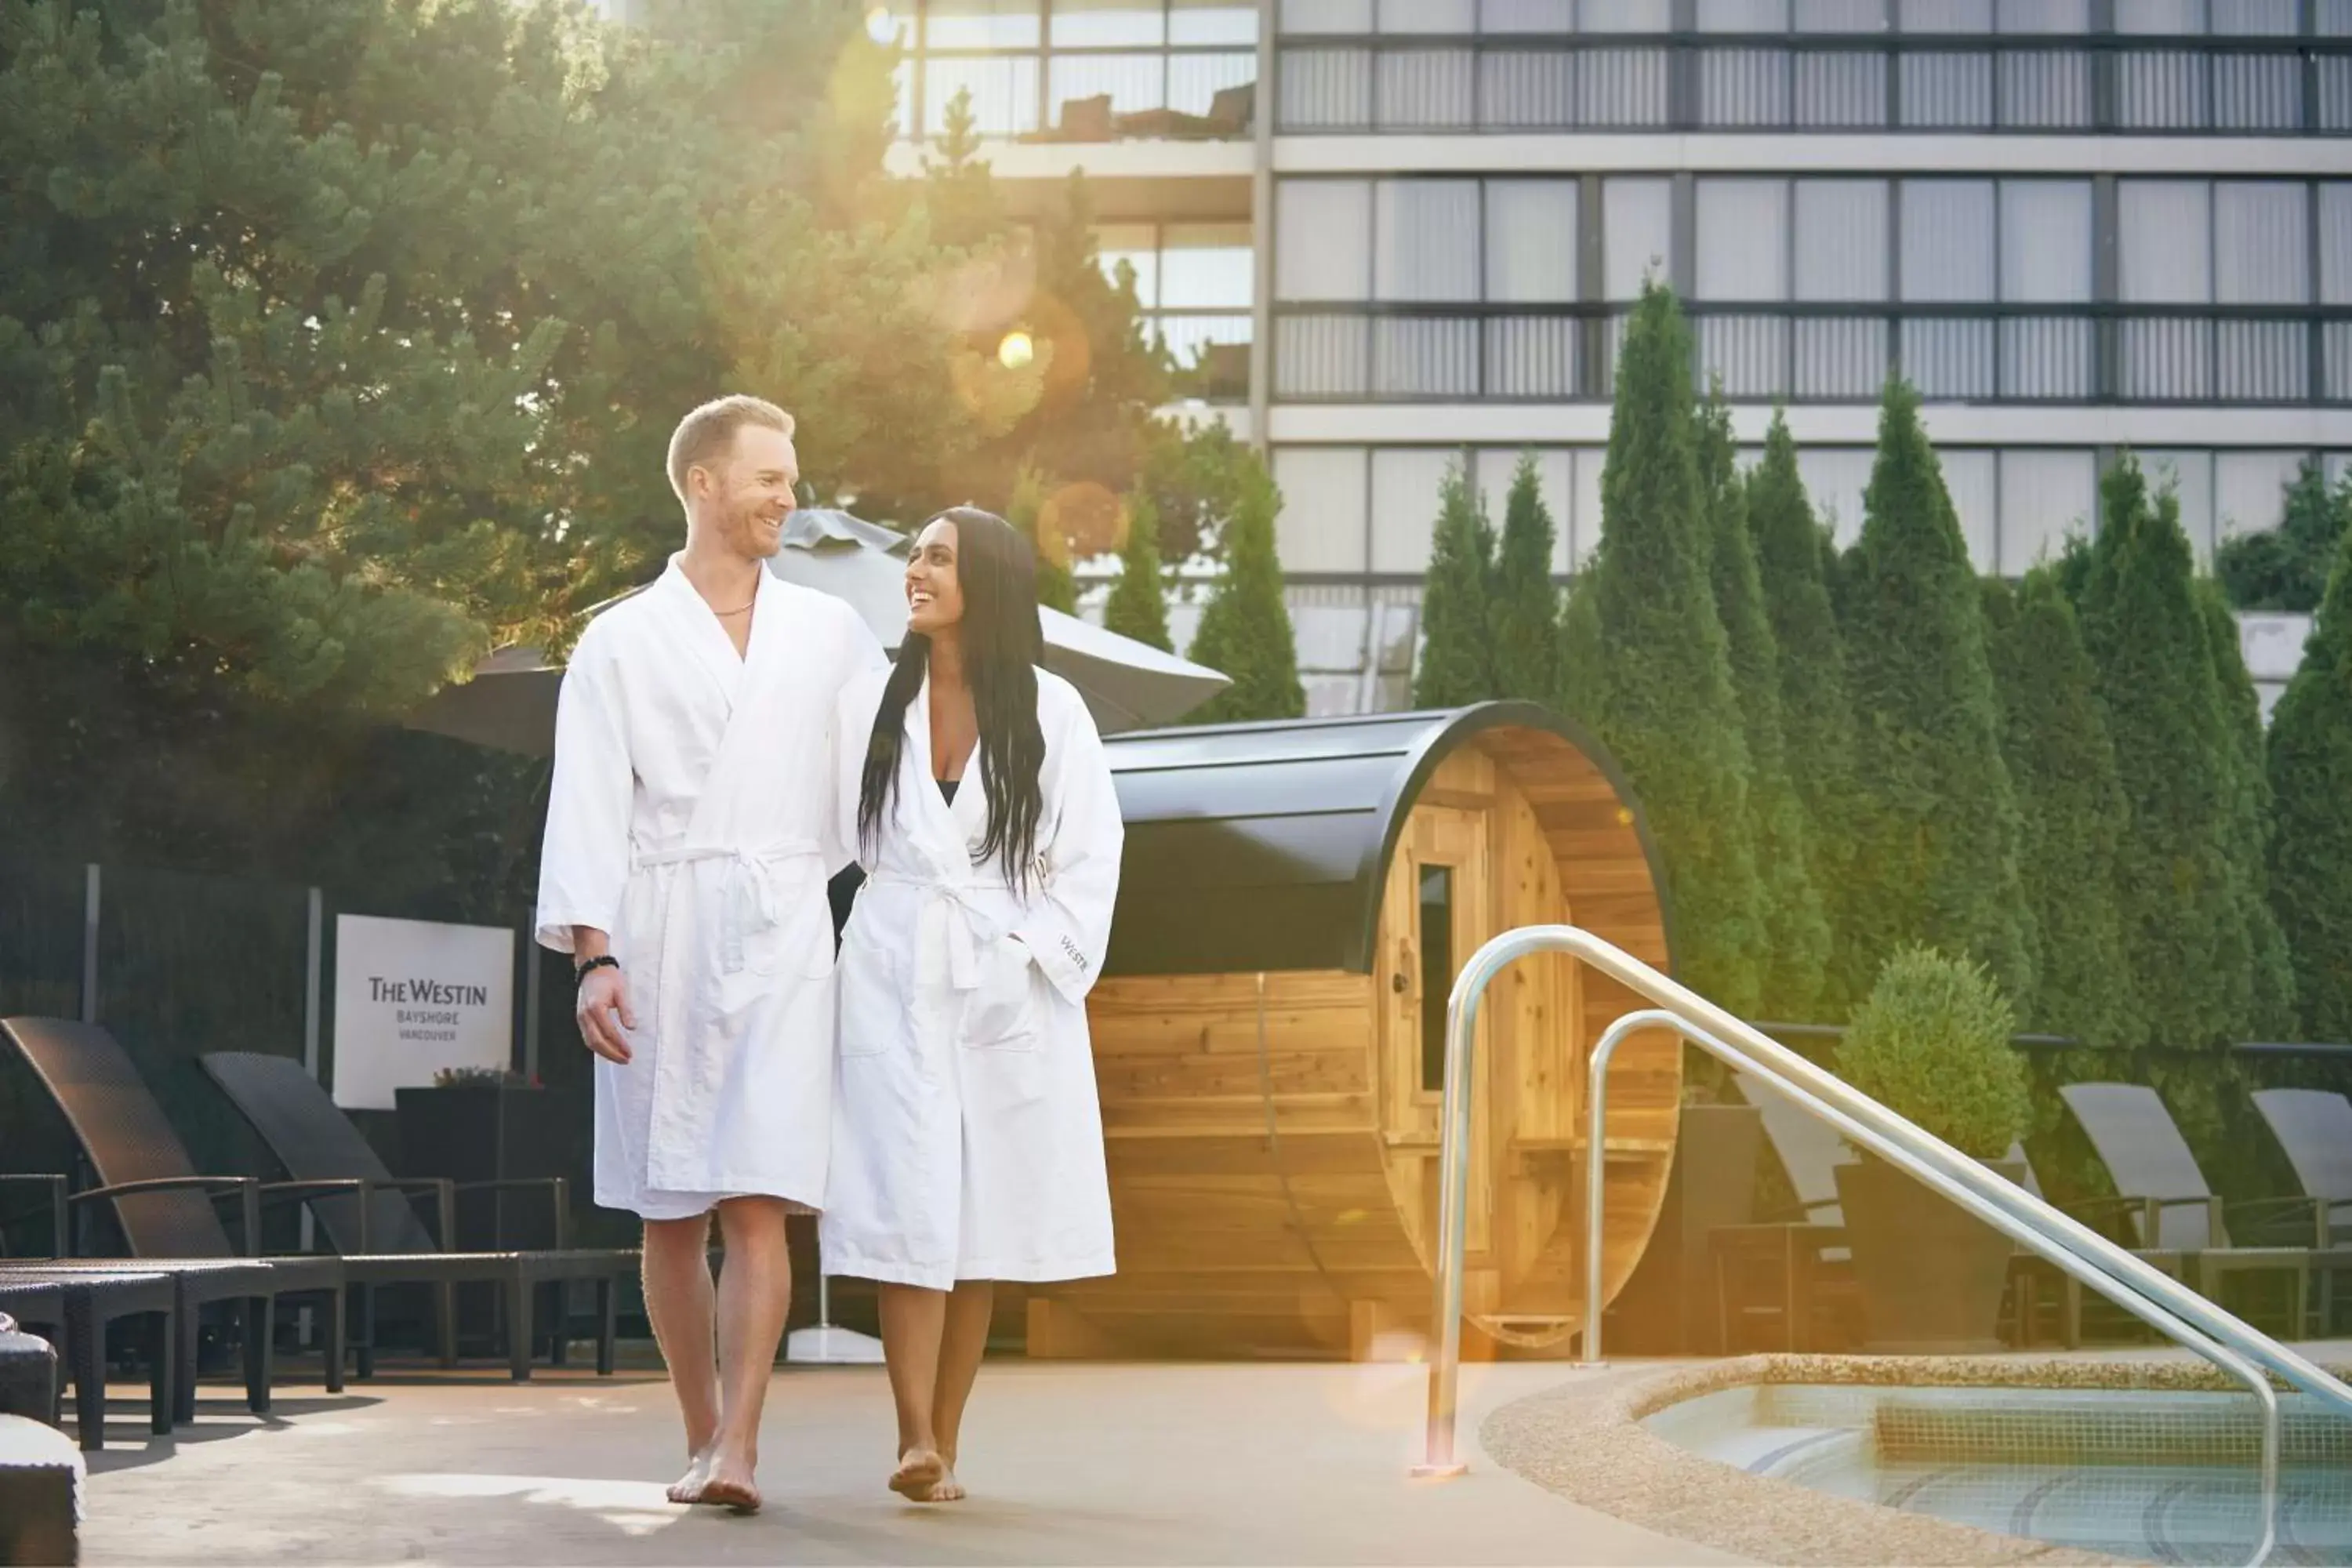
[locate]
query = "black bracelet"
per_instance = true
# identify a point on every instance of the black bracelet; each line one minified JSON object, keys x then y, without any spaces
{"x":601,"y":961}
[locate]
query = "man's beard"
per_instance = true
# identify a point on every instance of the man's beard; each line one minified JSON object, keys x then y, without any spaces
{"x":750,"y":531}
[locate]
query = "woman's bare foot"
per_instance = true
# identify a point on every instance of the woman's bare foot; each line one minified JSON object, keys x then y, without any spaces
{"x":688,"y":1486}
{"x":919,"y":1475}
{"x":727,"y":1483}
{"x":947,"y":1489}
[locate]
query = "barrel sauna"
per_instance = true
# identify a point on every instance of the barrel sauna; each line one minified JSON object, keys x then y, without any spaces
{"x":1269,"y":1033}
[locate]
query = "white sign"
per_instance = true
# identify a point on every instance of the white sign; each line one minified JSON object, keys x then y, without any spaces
{"x":415,"y":996}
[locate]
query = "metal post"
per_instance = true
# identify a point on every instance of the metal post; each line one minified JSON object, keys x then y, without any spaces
{"x":1453,"y":1199}
{"x":314,"y":956}
{"x":313,"y":959}
{"x":1261,"y":375}
{"x":89,"y":895}
{"x":530,"y":1005}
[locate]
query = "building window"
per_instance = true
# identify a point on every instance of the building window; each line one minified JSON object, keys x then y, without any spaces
{"x":1195,"y":282}
{"x":1086,"y":70}
{"x":1436,"y":972}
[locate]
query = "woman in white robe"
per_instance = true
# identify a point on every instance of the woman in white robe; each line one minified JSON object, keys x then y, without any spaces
{"x":967,"y":1144}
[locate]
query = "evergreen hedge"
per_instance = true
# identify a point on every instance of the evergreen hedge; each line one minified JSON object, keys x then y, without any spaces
{"x":1525,"y":608}
{"x":2071,"y":806}
{"x":1026,"y":512}
{"x":1651,"y":672}
{"x":2311,"y":785}
{"x":1244,"y":629}
{"x":2184,"y":931}
{"x":1138,"y":600}
{"x":1936,"y":828}
{"x":1796,"y":930}
{"x":1458,"y":652}
{"x":1816,"y":714}
{"x":2268,"y":1011}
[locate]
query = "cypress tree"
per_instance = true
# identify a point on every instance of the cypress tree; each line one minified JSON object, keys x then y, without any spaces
{"x":1936,"y":822}
{"x":2270,"y":1012}
{"x":1030,"y":518}
{"x":1796,"y":930}
{"x":1139,"y":602}
{"x":1457,"y":650}
{"x":2183,"y":931}
{"x":2311,"y":785}
{"x":1656,"y":686}
{"x":2071,"y":806}
{"x":1246,"y":627}
{"x":1792,"y":554}
{"x":1525,"y":606}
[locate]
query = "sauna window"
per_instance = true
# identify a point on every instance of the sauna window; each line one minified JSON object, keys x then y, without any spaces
{"x":1436,"y":972}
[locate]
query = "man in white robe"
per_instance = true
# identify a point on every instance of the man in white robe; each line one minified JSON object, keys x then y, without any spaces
{"x":691,"y":832}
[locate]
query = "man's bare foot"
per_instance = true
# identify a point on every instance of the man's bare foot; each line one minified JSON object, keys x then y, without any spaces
{"x":688,"y":1486}
{"x":727,"y":1483}
{"x":919,"y":1475}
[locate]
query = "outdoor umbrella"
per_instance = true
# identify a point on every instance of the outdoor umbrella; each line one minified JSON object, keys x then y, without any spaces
{"x":510,"y":700}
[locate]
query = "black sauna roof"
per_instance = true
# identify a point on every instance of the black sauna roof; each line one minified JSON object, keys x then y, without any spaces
{"x":1265,"y":847}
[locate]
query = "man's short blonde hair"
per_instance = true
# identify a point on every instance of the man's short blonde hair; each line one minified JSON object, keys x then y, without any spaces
{"x":710,"y":429}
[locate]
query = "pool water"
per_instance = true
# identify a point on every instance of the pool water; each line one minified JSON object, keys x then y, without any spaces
{"x":2156,"y":1476}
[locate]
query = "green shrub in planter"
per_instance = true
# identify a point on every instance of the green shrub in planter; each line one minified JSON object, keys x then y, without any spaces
{"x":1931,"y":1044}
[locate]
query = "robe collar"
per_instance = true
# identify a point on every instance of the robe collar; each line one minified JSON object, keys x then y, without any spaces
{"x":965,"y":823}
{"x":705,"y":635}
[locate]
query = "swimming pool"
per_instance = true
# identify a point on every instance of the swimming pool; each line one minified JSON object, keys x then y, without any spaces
{"x":2158,"y":1476}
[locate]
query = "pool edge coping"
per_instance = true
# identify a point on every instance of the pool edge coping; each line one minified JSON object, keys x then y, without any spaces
{"x":1585,"y":1441}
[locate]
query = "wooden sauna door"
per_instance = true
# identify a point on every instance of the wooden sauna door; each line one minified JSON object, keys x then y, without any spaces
{"x":1438,"y":911}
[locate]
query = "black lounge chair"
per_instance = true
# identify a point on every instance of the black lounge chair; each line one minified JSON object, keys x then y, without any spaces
{"x":75,"y":1308}
{"x":166,"y":1209}
{"x":1804,"y":1248}
{"x":2162,"y":1199}
{"x":2314,"y":1127}
{"x":1790,"y":1268}
{"x":367,"y":1215}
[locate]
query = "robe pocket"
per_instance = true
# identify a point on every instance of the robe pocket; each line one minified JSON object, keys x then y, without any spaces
{"x":869,"y":999}
{"x":1004,"y":1013}
{"x":799,"y":945}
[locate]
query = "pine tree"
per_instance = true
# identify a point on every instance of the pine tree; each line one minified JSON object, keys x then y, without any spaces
{"x":1457,"y":649}
{"x":1937,"y":827}
{"x":2311,"y":783}
{"x":339,"y":342}
{"x":2286,"y":567}
{"x":1030,"y":518}
{"x":1138,"y":600}
{"x":2071,"y":806}
{"x":1797,"y":933}
{"x":1244,"y":629}
{"x":1526,"y":629}
{"x":2270,"y":1012}
{"x":1816,"y":715}
{"x":2184,"y":933}
{"x":1655,"y":687}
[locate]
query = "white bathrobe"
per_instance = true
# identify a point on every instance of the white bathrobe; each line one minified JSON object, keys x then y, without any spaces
{"x":968,"y":1140}
{"x":692,"y":818}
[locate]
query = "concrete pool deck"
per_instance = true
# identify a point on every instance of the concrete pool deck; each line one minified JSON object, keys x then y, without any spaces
{"x":1067,"y":1462}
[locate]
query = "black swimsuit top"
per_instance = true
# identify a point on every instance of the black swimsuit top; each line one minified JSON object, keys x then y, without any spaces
{"x":948,"y":788}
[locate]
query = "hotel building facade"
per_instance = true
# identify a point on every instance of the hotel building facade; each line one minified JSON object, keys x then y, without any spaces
{"x":1391,"y":232}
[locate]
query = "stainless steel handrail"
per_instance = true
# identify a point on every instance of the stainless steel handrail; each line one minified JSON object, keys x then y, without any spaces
{"x":2104,"y":1266}
{"x":2011,"y":1226}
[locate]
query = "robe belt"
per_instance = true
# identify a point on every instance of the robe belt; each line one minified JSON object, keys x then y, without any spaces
{"x":968,"y":924}
{"x":749,"y":894}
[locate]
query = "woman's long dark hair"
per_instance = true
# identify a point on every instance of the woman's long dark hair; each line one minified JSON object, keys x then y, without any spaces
{"x":1002,"y":644}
